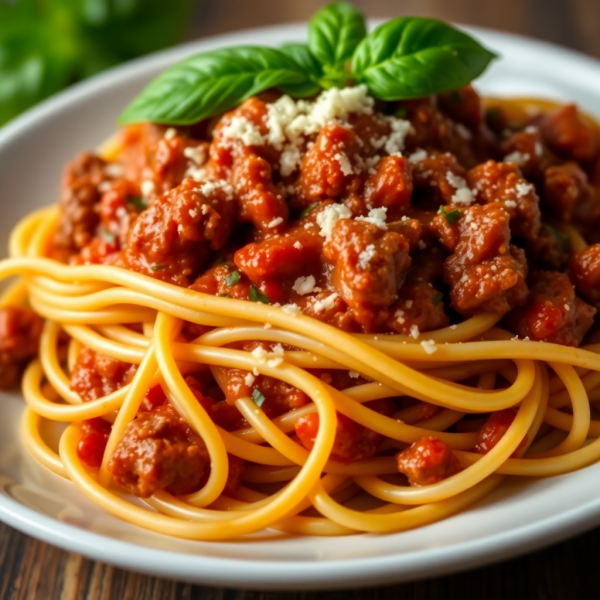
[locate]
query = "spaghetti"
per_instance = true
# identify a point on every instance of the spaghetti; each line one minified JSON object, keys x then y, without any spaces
{"x":471,"y":402}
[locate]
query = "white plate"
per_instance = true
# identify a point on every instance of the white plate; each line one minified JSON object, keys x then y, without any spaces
{"x":519,"y":517}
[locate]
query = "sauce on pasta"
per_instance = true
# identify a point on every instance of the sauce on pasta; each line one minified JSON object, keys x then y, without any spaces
{"x":324,"y":317}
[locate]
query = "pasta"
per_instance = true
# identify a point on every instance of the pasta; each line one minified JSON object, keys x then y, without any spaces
{"x":461,"y":372}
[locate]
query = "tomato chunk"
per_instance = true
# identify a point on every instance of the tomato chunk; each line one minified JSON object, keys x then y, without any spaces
{"x":427,"y":461}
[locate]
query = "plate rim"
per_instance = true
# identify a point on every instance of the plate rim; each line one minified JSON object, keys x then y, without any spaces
{"x":286,"y":574}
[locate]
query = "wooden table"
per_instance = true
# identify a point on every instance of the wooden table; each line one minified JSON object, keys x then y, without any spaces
{"x":31,"y":570}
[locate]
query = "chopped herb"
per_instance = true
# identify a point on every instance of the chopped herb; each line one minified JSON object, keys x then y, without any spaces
{"x":400,"y":112}
{"x":108,"y":236}
{"x":257,"y":296}
{"x":158,"y":267}
{"x":456,"y":97}
{"x":138,"y":202}
{"x":437,"y":298}
{"x":232,"y":278}
{"x":219,"y":261}
{"x":558,"y":235}
{"x":308,"y":210}
{"x":450,"y":216}
{"x":258,"y":397}
{"x":223,"y":295}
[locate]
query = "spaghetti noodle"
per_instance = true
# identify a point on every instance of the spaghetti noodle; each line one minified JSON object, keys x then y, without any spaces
{"x":471,"y":402}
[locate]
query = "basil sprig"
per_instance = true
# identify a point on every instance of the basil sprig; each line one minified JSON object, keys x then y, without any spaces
{"x":405,"y":58}
{"x":334,"y":32}
{"x":412,"y":57}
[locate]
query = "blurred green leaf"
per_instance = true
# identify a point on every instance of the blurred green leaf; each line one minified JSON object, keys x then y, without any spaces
{"x":47,"y":44}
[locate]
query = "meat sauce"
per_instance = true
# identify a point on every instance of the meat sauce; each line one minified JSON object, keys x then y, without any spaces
{"x":397,"y":217}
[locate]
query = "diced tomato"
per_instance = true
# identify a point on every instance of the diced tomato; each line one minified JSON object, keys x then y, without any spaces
{"x":427,"y":461}
{"x":91,"y":448}
{"x":494,"y":429}
{"x":155,"y":396}
{"x":353,"y":442}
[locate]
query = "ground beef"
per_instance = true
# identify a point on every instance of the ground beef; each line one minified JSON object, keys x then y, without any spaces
{"x":565,"y":187}
{"x":95,"y":375}
{"x":502,"y":183}
{"x":427,"y":461}
{"x":79,"y":197}
{"x":172,"y":238}
{"x":159,"y":451}
{"x":390,"y":186}
{"x":584,"y":268}
{"x":352,"y":442}
{"x":485,"y":272}
{"x":368,"y":265}
{"x":20,"y":331}
{"x":433,"y":177}
{"x":567,"y":134}
{"x":553,"y":312}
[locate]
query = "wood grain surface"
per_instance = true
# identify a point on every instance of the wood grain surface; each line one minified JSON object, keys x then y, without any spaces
{"x":32,"y":570}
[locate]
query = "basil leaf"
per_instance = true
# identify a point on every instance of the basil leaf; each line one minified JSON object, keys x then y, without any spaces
{"x":257,"y":296}
{"x":308,"y":210}
{"x":450,"y":216}
{"x":232,"y":278}
{"x":306,"y":62}
{"x":412,"y":57}
{"x":138,"y":202}
{"x":210,"y":83}
{"x":33,"y":63}
{"x":258,"y":397}
{"x":334,"y":32}
{"x":437,"y":298}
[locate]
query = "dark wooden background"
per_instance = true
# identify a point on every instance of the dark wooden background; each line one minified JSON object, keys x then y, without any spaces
{"x":31,"y":570}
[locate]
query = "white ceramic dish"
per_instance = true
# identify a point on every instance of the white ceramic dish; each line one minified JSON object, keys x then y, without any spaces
{"x":519,"y":517}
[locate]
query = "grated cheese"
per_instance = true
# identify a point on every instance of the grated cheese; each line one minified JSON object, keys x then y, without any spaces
{"x":249,"y":379}
{"x":523,"y":189}
{"x":304,"y":285}
{"x":417,"y":157}
{"x":376,"y":217}
{"x":519,"y":158}
{"x":328,"y":217}
{"x":364,"y":258}
{"x":429,"y":346}
{"x":414,"y":331}
{"x":275,"y":222}
{"x":344,"y":163}
{"x":197,"y":154}
{"x":321,"y":305}
{"x":240,"y":128}
{"x":291,"y":309}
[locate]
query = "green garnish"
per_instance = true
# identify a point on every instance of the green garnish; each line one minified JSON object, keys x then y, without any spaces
{"x":138,"y":202}
{"x":219,"y":261}
{"x":407,"y":57}
{"x":108,"y":236}
{"x":223,"y":295}
{"x":558,"y":235}
{"x":308,"y":210}
{"x":450,"y":216}
{"x":400,"y":112}
{"x":232,"y":278}
{"x":257,"y":296}
{"x":158,"y":267}
{"x":258,"y":397}
{"x":437,"y":298}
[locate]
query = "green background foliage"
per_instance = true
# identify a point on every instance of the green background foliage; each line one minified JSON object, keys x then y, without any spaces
{"x":48,"y":44}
